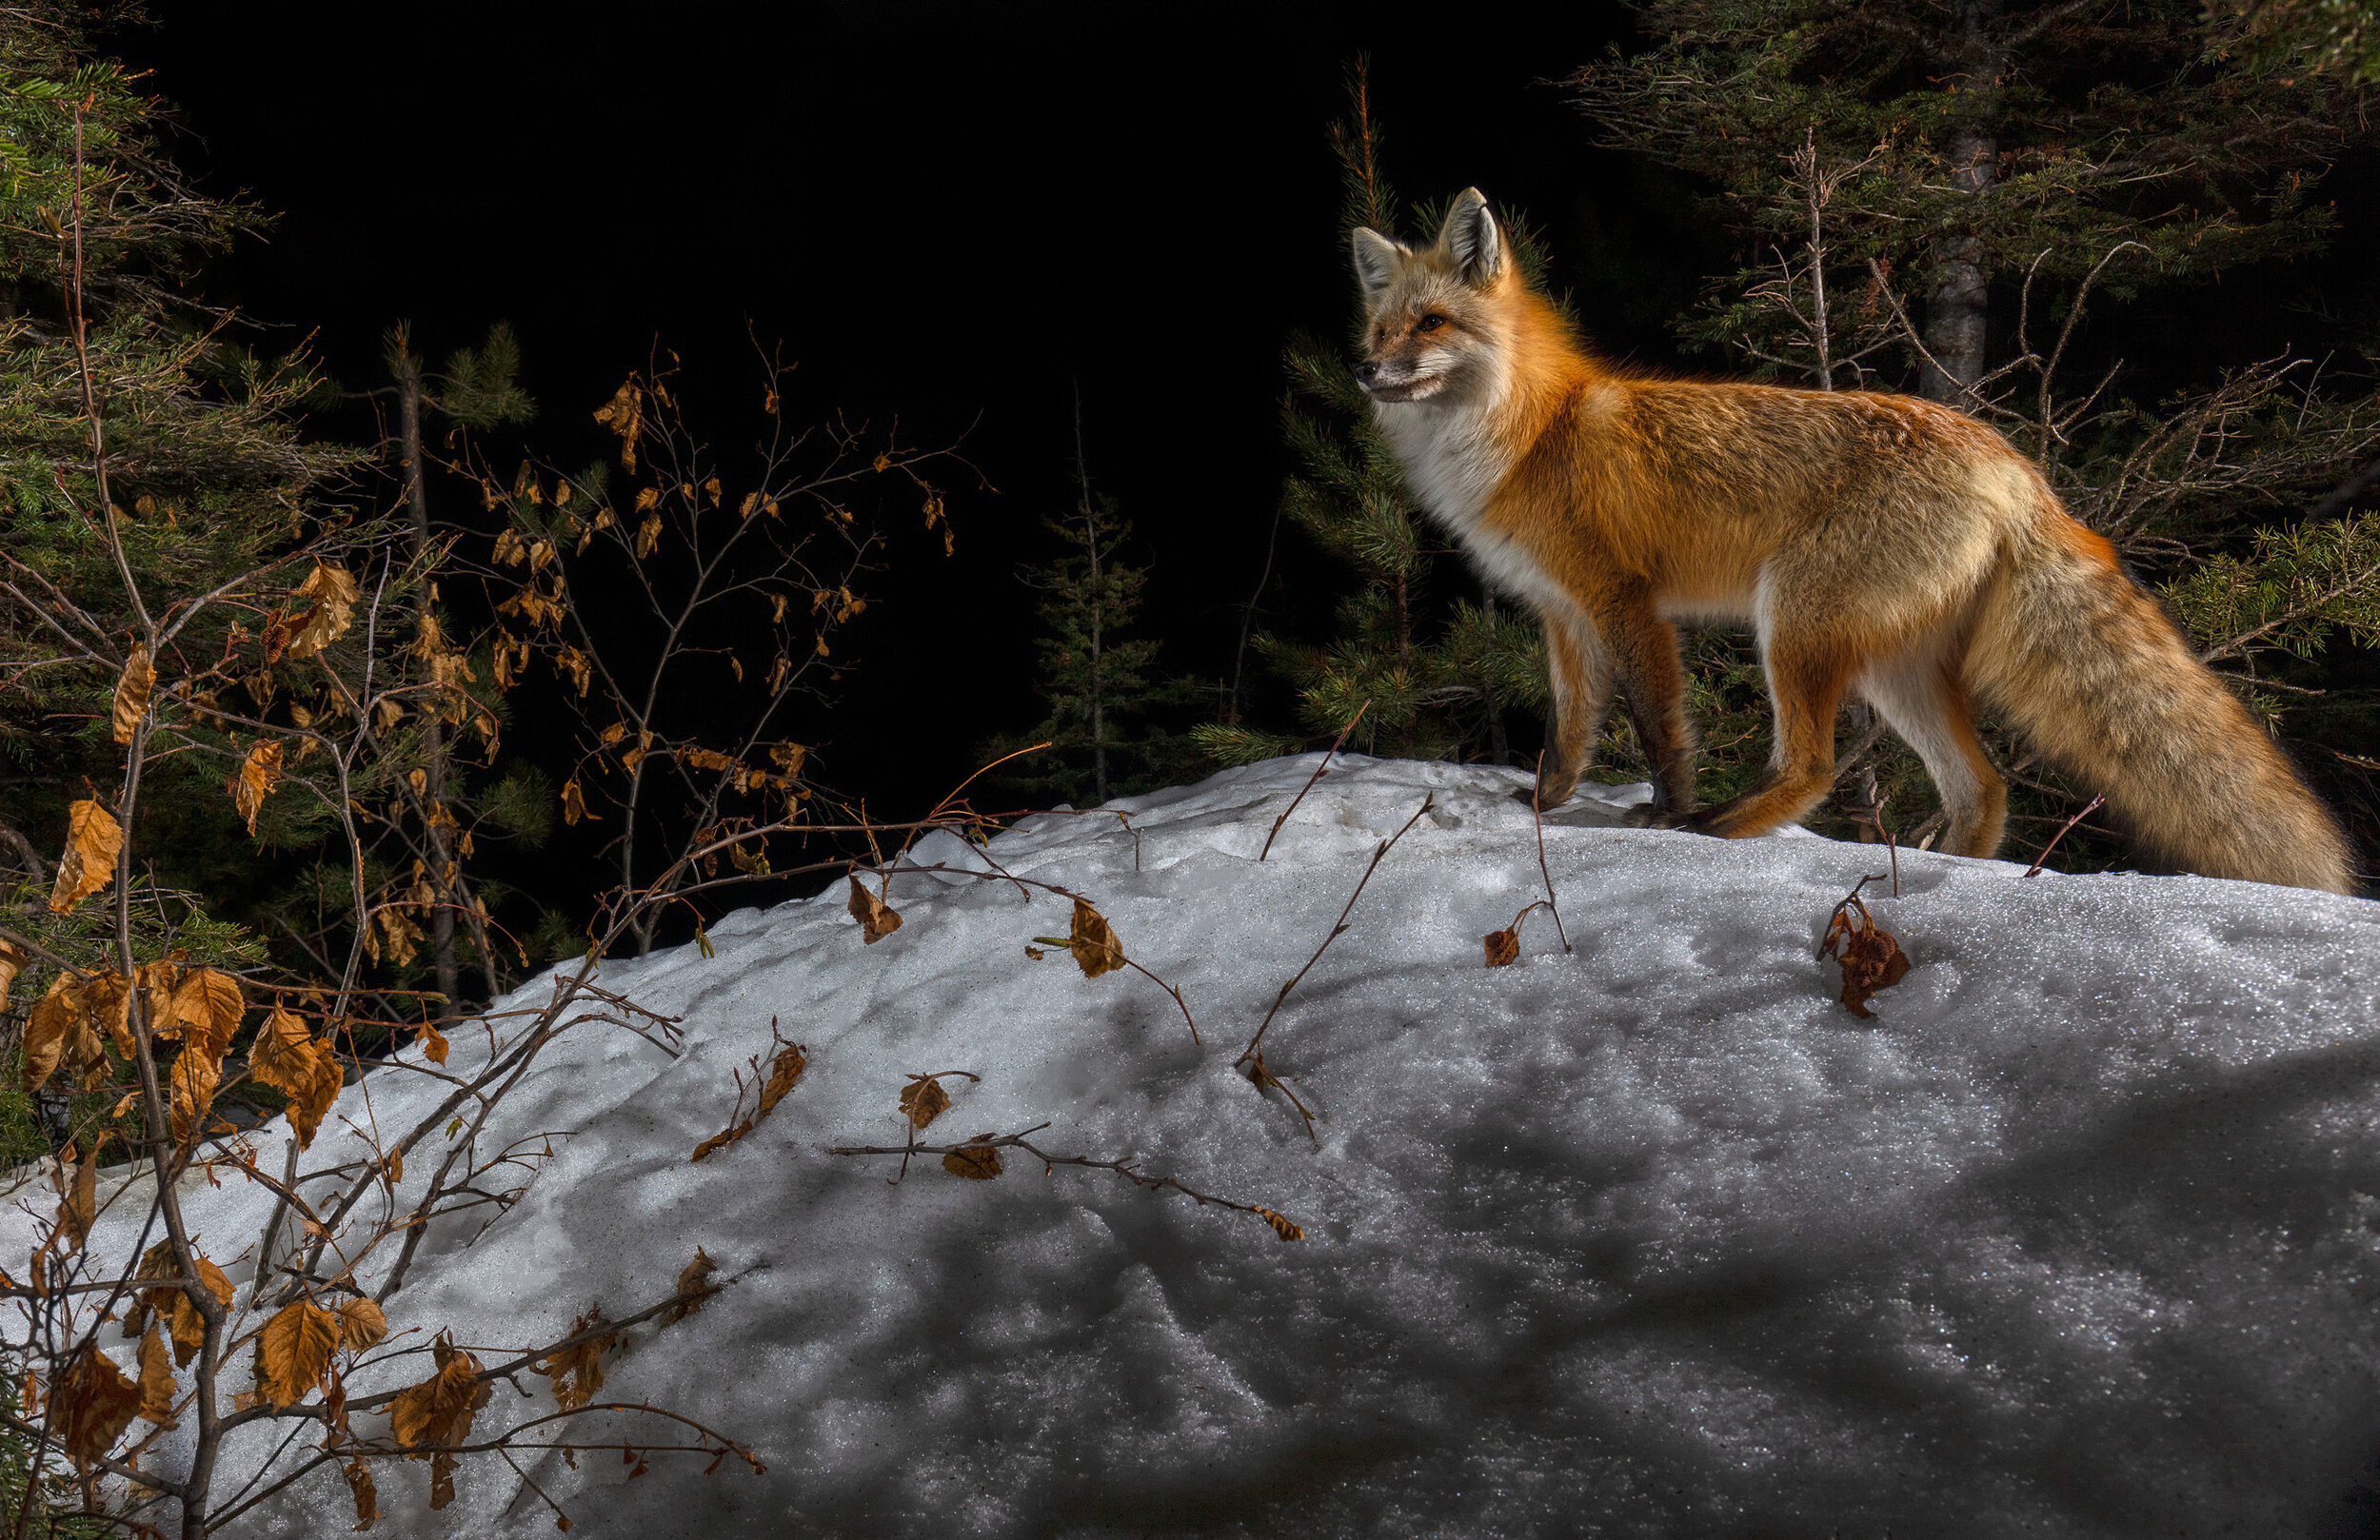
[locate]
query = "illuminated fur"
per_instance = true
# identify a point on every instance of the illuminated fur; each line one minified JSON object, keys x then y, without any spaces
{"x":1873,"y":542}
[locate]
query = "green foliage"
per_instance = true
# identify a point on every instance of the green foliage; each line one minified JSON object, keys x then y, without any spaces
{"x":480,"y":388}
{"x":1439,"y":670}
{"x":1097,"y":682}
{"x":2134,"y":134}
{"x":2340,"y":38}
{"x":54,"y":1517}
{"x":2294,"y":591}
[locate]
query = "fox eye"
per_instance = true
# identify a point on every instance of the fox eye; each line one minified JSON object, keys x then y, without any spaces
{"x":1430,"y":323}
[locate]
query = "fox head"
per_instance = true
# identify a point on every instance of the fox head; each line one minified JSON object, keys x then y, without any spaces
{"x":1430,"y":329}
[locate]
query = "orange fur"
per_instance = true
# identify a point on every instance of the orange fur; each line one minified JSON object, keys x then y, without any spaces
{"x":1873,"y":542}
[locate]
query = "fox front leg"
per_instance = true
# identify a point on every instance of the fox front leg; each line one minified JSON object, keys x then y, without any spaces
{"x":1644,"y":654}
{"x":1582,"y":676}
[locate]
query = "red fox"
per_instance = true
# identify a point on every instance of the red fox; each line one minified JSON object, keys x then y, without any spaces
{"x":1873,"y":542}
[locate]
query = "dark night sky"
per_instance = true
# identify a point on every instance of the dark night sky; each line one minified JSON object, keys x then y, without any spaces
{"x":945,"y":211}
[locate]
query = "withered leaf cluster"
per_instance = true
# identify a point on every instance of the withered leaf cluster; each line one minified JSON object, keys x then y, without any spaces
{"x":288,"y":1058}
{"x":1871,"y":958}
{"x":784,"y":1072}
{"x":577,"y":1372}
{"x":430,"y":1419}
{"x":877,"y":919}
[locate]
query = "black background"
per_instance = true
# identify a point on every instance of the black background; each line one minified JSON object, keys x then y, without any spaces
{"x":947,"y":213}
{"x":955,"y":215}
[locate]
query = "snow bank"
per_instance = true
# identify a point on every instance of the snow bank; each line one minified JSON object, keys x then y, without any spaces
{"x":2079,"y":1237}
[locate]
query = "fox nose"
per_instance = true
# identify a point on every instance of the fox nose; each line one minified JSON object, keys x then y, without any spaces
{"x":1366,"y":373}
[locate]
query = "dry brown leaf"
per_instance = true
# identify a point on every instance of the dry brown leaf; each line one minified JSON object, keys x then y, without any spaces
{"x":577,"y":1372}
{"x":359,"y":1475}
{"x":132,"y":687}
{"x":719,"y":1141}
{"x":624,"y":415}
{"x":203,"y":1009}
{"x":440,"y":1408}
{"x":48,"y":1029}
{"x":93,"y":843}
{"x":62,"y":1030}
{"x":362,"y":1325}
{"x":189,"y":1328}
{"x":877,"y":919}
{"x":157,"y":1384}
{"x":285,"y":1056}
{"x":1503,"y":948}
{"x":105,"y":1001}
{"x":1871,"y":958}
{"x":975,"y":1163}
{"x":334,"y":595}
{"x":923,"y":1100}
{"x":694,"y":1286}
{"x":79,"y":1197}
{"x":784,"y":1072}
{"x":92,"y":1404}
{"x":1093,"y":945}
{"x":254,"y":782}
{"x":1282,"y":1227}
{"x":13,"y":961}
{"x":432,"y":1042}
{"x":156,"y":1262}
{"x":574,"y":803}
{"x":293,"y":1351}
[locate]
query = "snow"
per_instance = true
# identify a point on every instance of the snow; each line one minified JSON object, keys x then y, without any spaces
{"x":2080,"y":1237}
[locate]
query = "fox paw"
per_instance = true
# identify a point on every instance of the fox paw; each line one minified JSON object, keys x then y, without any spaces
{"x":1544,"y":799}
{"x":1646,"y":816}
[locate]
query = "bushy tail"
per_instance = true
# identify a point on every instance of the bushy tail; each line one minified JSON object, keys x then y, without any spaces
{"x":2087,"y":667}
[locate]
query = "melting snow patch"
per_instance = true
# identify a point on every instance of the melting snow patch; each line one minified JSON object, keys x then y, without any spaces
{"x":2076,"y":1238}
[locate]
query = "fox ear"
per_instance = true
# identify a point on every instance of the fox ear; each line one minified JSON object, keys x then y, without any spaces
{"x":1472,"y":238}
{"x":1376,"y":261}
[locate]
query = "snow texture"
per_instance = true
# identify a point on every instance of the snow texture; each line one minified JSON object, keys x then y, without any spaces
{"x":2079,"y":1237}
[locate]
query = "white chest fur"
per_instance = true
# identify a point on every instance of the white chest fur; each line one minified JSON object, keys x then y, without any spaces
{"x":1454,"y":466}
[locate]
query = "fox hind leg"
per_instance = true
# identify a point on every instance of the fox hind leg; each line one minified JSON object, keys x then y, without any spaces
{"x":1806,"y":684}
{"x":1922,"y":701}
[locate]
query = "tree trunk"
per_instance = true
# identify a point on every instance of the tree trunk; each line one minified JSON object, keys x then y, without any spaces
{"x":1957,"y":309}
{"x":442,"y":863}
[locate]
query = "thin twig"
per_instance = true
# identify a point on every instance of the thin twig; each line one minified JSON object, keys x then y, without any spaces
{"x":1537,"y":814}
{"x":2088,"y":808}
{"x":1337,"y":930}
{"x":984,"y":1143}
{"x":1319,"y":771}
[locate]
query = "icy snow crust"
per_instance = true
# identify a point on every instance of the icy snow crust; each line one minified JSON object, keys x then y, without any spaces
{"x":2077,"y":1238}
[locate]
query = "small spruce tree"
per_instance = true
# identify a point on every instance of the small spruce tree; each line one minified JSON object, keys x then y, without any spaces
{"x":1097,"y":682}
{"x":1440,"y":669}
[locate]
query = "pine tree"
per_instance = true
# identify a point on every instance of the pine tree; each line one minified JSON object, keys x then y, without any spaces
{"x":194,"y":458}
{"x":1096,"y":681}
{"x":478,"y":390}
{"x":1972,"y":201}
{"x":1439,"y":673}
